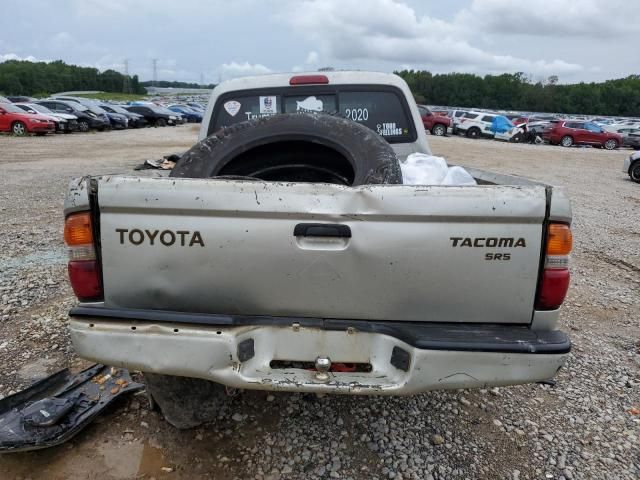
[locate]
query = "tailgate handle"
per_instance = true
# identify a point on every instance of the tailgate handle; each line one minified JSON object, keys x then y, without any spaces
{"x":322,"y":230}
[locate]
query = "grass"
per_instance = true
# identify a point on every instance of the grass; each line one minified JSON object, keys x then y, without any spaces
{"x":120,"y":97}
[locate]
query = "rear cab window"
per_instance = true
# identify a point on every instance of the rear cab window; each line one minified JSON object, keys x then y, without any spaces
{"x":380,"y":108}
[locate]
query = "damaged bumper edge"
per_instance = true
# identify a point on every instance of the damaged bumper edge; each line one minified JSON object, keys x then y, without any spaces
{"x":404,"y":358}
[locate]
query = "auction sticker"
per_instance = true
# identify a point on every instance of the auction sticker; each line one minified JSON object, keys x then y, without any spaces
{"x":268,"y":105}
{"x":232,"y":107}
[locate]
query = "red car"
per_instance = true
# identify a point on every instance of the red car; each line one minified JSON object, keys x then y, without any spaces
{"x":437,"y":124}
{"x":577,"y":132}
{"x":19,"y":122}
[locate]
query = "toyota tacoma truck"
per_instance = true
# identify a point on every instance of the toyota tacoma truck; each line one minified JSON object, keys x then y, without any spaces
{"x":284,"y":253}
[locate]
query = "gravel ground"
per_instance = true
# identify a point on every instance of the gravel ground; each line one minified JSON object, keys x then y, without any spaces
{"x":585,"y":426}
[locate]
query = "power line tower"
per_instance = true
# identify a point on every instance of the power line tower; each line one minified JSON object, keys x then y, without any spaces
{"x":154,"y":62}
{"x":126,"y":81}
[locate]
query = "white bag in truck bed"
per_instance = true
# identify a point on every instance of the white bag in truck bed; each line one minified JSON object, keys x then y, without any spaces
{"x":412,"y":253}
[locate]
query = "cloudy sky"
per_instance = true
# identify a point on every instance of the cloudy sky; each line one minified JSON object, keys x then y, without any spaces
{"x":577,"y":40}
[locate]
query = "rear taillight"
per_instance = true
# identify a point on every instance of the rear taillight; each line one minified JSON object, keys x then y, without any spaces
{"x":84,"y":271}
{"x":554,"y":281}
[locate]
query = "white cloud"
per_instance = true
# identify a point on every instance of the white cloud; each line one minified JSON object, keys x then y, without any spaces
{"x":554,"y":18}
{"x":312,"y":58}
{"x":392,"y":32}
{"x":61,"y":39}
{"x":235,"y":69}
{"x":12,"y":56}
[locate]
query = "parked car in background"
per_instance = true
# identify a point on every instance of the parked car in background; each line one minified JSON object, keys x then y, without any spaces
{"x":19,"y":99}
{"x":87,"y":120}
{"x":455,"y":116}
{"x":572,"y":132}
{"x":65,"y":122}
{"x":135,"y":120}
{"x":435,"y":123}
{"x":196,"y":106}
{"x":155,"y":115}
{"x":503,"y":129}
{"x":631,"y":166}
{"x":630,"y":134}
{"x":4,"y":99}
{"x":476,"y":125}
{"x":93,"y":107}
{"x":537,"y":128}
{"x":630,"y":137}
{"x":189,"y":114}
{"x":118,"y":120}
{"x":180,"y":118}
{"x":15,"y":120}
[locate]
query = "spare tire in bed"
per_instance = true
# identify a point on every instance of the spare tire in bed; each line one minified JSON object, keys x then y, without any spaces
{"x":294,"y":147}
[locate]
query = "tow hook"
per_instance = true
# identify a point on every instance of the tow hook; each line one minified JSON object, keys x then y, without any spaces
{"x":323,"y":365}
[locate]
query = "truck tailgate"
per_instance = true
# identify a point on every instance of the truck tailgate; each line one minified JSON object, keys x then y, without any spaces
{"x":391,"y":252}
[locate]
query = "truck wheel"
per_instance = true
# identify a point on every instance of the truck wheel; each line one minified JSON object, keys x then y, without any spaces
{"x":294,"y":147}
{"x":566,"y":141}
{"x":473,"y":132}
{"x":186,"y":402}
{"x":438,"y":130}
{"x":634,"y":172}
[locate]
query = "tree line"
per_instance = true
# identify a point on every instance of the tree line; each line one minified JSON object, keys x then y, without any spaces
{"x":167,"y":84}
{"x":19,"y":77}
{"x":620,"y":97}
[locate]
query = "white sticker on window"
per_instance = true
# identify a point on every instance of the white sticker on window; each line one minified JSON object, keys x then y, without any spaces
{"x":388,"y":129}
{"x":268,"y":105}
{"x":232,"y":107}
{"x":309,"y":104}
{"x":357,"y":114}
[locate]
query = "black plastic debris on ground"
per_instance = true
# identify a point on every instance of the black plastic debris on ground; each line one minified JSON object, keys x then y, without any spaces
{"x":53,"y":410}
{"x":165,"y":163}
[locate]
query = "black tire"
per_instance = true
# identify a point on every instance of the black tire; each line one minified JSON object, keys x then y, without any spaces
{"x":439,"y":130}
{"x":186,"y":402}
{"x":297,"y":147}
{"x":474,"y":132}
{"x":84,"y":126}
{"x":610,"y":144}
{"x":19,"y":129}
{"x":634,"y":171}
{"x":161,"y":122}
{"x":517,"y":138}
{"x":566,"y":141}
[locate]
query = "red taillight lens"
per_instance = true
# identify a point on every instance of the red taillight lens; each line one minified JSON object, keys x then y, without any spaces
{"x":84,"y":270}
{"x":553,"y":288}
{"x":309,"y":80}
{"x":85,"y":279}
{"x":554,"y":281}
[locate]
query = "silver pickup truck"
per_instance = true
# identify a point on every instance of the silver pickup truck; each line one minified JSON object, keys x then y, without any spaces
{"x":317,"y":286}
